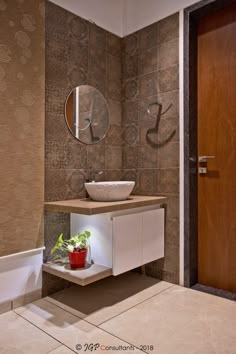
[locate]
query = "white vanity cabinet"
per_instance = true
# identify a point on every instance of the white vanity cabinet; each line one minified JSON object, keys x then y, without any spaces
{"x":124,"y":235}
{"x":124,"y":240}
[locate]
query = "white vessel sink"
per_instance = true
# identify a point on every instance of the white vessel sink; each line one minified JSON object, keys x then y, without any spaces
{"x":109,"y":191}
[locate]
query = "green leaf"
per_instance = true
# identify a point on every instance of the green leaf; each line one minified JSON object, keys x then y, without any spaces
{"x":58,"y":244}
{"x":87,"y":233}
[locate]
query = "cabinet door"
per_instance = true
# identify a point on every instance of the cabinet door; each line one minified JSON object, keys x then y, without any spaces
{"x":152,"y":235}
{"x":127,"y":245}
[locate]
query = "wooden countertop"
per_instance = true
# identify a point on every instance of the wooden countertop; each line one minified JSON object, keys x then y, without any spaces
{"x":90,"y":207}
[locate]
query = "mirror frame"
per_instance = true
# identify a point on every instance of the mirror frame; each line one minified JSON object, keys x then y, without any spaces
{"x":65,"y":116}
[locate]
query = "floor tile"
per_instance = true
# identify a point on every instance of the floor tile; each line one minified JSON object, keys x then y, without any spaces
{"x":18,"y":336}
{"x":61,"y":350}
{"x":70,"y":330}
{"x":179,"y":320}
{"x":103,"y":300}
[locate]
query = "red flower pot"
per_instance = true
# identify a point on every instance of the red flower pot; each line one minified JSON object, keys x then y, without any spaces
{"x":78,"y":259}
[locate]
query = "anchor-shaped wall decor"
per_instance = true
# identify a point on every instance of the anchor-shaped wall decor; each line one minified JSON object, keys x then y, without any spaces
{"x":155,"y":130}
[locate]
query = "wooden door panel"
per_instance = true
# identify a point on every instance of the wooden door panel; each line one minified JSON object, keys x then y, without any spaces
{"x":217,"y":136}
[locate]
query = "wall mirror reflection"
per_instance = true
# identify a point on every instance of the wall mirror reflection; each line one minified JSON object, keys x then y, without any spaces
{"x":86,"y":114}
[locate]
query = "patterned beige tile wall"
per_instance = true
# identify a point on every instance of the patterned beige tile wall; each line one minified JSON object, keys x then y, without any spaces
{"x":78,"y":53}
{"x":150,"y":73}
{"x":22,"y":51}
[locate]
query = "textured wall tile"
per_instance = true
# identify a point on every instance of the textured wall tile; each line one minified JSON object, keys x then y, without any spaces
{"x":113,"y":77}
{"x":97,"y":60}
{"x":113,"y":89}
{"x":131,"y":89}
{"x":113,"y":158}
{"x":55,"y":185}
{"x":78,"y":28}
{"x":147,"y":157}
{"x":58,"y":18}
{"x":96,"y":157}
{"x":130,"y":158}
{"x":113,"y":68}
{"x":130,"y":112}
{"x":172,"y":232}
{"x":148,"y":60}
{"x":57,"y":70}
{"x":132,"y":175}
{"x":171,"y":263}
{"x":168,"y":28}
{"x":114,"y":136}
{"x":76,"y":154}
{"x":77,"y":54}
{"x":131,"y":44}
{"x":130,"y":134}
{"x":113,"y":44}
{"x":168,"y":180}
{"x":76,"y":76}
{"x":148,"y":181}
{"x":115,"y":112}
{"x":55,"y":97}
{"x":148,"y":36}
{"x":148,"y":85}
{"x":55,"y":126}
{"x":75,"y":180}
{"x":129,"y":66}
{"x":112,"y":175}
{"x":65,"y":154}
{"x":168,"y":79}
{"x":172,"y":206}
{"x":97,"y":36}
{"x":157,"y":81}
{"x":168,"y":54}
{"x":55,"y":47}
{"x":168,"y":155}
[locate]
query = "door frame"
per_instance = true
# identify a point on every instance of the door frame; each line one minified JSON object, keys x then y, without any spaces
{"x":192,"y":15}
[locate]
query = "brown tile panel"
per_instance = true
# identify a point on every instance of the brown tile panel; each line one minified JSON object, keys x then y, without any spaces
{"x":22,"y":103}
{"x":155,"y":169}
{"x":77,"y":53}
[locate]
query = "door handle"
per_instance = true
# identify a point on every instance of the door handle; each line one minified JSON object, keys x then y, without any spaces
{"x":205,"y":158}
{"x":203,"y":164}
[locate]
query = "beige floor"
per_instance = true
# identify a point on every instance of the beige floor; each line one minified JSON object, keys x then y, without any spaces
{"x":122,"y":315}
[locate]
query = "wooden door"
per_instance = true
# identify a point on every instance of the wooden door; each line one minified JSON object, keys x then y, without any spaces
{"x":217,"y":136}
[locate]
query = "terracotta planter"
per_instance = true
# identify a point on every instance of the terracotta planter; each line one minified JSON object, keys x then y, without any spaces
{"x":78,"y":259}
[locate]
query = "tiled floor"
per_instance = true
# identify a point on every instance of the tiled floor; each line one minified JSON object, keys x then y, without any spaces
{"x":115,"y":314}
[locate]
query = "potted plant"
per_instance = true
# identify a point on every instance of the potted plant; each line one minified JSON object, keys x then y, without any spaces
{"x":76,"y":247}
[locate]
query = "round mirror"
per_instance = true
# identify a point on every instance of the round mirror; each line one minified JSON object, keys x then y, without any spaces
{"x":86,"y":114}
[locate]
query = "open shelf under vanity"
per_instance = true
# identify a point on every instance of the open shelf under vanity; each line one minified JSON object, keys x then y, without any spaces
{"x":85,"y":276}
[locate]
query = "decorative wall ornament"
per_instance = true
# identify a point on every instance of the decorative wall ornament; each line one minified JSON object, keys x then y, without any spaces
{"x":154,"y":131}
